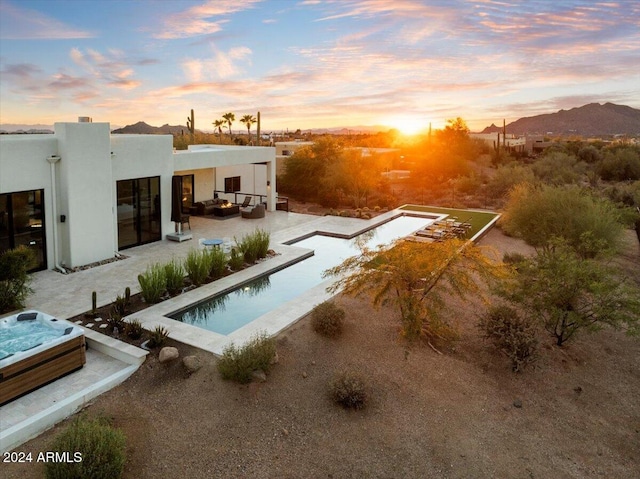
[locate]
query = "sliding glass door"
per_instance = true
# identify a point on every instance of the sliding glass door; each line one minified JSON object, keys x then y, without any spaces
{"x":22,"y":223}
{"x":138,"y":204}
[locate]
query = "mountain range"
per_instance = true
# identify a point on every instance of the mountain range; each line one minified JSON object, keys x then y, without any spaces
{"x":593,"y":119}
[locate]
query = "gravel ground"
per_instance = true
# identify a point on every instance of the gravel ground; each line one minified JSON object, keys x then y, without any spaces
{"x":462,"y":414}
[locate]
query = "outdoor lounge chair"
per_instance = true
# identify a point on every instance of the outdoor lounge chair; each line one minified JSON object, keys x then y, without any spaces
{"x":246,"y":202}
{"x":257,"y":211}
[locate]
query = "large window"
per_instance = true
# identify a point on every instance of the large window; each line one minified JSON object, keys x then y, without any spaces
{"x":22,"y":223}
{"x":232,"y":184}
{"x":139,"y":217}
{"x":187,"y":192}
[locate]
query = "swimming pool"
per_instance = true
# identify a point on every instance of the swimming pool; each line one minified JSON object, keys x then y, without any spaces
{"x":224,"y":314}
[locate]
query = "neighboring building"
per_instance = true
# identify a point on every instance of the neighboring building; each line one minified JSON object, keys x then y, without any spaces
{"x":80,"y":195}
{"x":284,"y":149}
{"x":512,"y":143}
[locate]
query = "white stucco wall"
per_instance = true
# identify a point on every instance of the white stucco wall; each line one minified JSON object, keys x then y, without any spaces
{"x":142,"y":156}
{"x":86,"y":194}
{"x":23,"y":167}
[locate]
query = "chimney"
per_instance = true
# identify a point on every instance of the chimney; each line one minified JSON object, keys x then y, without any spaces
{"x":85,"y":119}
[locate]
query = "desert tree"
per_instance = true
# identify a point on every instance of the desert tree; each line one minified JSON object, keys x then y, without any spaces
{"x":248,"y":120}
{"x":416,"y":278}
{"x":229,"y":118}
{"x":567,"y":293}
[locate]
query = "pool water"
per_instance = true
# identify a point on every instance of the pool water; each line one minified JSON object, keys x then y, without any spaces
{"x":24,"y":335}
{"x":226,"y":313}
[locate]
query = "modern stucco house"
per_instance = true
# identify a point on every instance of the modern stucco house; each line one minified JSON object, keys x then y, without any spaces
{"x":82,"y":194}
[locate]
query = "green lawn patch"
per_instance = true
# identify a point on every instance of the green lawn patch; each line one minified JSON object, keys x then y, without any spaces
{"x":478,"y":219}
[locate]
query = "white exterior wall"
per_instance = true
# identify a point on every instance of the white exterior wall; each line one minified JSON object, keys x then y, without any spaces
{"x":142,"y":156}
{"x":24,"y":166}
{"x":85,"y":193}
{"x":203,"y":183}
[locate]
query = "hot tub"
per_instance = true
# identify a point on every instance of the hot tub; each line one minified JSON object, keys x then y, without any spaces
{"x":35,"y":349}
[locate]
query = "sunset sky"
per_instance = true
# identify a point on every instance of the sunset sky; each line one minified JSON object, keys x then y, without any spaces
{"x":309,"y":64}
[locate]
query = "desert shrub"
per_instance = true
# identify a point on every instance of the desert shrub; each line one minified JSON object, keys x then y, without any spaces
{"x":327,"y":319}
{"x":539,"y":215}
{"x":102,"y":449}
{"x":174,"y":273}
{"x":559,"y":168}
{"x":620,"y":165}
{"x":153,"y":283}
{"x":513,"y":258}
{"x":115,"y":321}
{"x":238,"y":363}
{"x":158,"y":337}
{"x":349,"y":390}
{"x":236,"y":259}
{"x":217,"y":260}
{"x":14,"y":280}
{"x":134,"y":329}
{"x":119,"y":305}
{"x":511,"y":334}
{"x":196,"y":265}
{"x":376,"y":209}
{"x":507,"y":177}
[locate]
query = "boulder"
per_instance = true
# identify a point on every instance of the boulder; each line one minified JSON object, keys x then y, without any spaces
{"x":191,"y":364}
{"x":168,"y":354}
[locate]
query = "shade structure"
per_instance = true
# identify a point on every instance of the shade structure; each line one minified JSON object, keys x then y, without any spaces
{"x":176,"y":198}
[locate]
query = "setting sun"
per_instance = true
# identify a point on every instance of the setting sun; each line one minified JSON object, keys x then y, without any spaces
{"x":408,"y":125}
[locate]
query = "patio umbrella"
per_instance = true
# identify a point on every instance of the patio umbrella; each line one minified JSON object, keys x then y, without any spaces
{"x":176,"y":199}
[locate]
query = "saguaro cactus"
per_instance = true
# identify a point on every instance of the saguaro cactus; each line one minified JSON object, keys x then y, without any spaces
{"x":191,"y":124}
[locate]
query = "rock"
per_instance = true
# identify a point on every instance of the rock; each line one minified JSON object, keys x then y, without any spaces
{"x":274,"y":359}
{"x":577,"y":389}
{"x":259,"y":375}
{"x":517,"y":403}
{"x":191,"y":363}
{"x":304,"y":374}
{"x":285,"y":432}
{"x":168,"y":354}
{"x":90,"y":325}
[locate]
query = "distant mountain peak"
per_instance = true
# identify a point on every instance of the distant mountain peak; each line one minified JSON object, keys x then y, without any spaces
{"x":592,"y":119}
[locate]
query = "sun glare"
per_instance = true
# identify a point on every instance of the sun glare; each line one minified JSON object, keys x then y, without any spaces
{"x":408,"y":125}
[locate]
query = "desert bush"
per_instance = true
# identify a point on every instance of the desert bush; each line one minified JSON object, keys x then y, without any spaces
{"x":622,"y":164}
{"x":538,"y":215}
{"x":238,"y":363}
{"x":119,"y":305}
{"x":217,"y":262}
{"x":134,"y":329}
{"x":511,"y":334}
{"x":327,"y":319}
{"x":115,"y":321}
{"x":14,"y":280}
{"x":513,"y":258}
{"x":236,"y":259}
{"x":153,"y":283}
{"x":196,"y":265}
{"x":158,"y":337}
{"x":507,"y":177}
{"x":101,"y":446}
{"x":174,"y":273}
{"x":559,"y":168}
{"x":349,"y":390}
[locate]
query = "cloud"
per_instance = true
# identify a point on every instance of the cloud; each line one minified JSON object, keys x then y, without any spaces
{"x":17,"y":23}
{"x":111,"y":68}
{"x":202,"y":19}
{"x":221,"y":65}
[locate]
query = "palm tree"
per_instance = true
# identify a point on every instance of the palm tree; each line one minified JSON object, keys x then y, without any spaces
{"x":229,"y":117}
{"x":217,"y":125}
{"x":248,"y":120}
